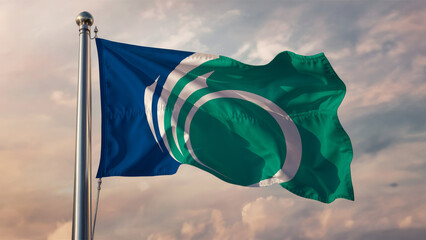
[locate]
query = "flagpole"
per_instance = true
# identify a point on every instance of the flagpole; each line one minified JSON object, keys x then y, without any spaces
{"x":82,"y":208}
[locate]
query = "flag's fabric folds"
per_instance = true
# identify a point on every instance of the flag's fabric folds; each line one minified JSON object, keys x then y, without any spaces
{"x":247,"y":125}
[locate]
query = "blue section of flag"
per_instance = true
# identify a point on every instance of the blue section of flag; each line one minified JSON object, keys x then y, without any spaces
{"x":128,"y":146}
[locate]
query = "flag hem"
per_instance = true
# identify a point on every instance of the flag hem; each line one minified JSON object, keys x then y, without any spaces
{"x":104,"y":115}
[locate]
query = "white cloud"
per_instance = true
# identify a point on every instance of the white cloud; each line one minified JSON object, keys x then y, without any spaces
{"x":339,"y":54}
{"x":266,"y":49}
{"x":276,"y":35}
{"x":210,"y":224}
{"x":230,"y":14}
{"x":189,"y":230}
{"x":161,"y":236}
{"x":396,"y":30}
{"x":419,"y":67}
{"x":241,"y":51}
{"x":387,"y":89}
{"x":270,"y":40}
{"x":266,"y":213}
{"x":186,"y":35}
{"x":349,"y":223}
{"x":406,"y":222}
{"x":143,"y":186}
{"x":62,"y":231}
{"x":60,"y":98}
{"x":391,"y":163}
{"x":316,"y":226}
{"x":419,"y":61}
{"x":159,"y":11}
{"x":367,"y":46}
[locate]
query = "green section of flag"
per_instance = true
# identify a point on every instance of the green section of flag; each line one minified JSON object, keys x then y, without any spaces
{"x":241,"y":143}
{"x":237,"y":136}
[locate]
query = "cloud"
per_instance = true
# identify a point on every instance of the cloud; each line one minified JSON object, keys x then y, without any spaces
{"x":265,"y":213}
{"x":316,"y":226}
{"x":406,"y":222}
{"x":395,"y":30}
{"x":370,"y":132}
{"x":230,"y":14}
{"x":341,"y":53}
{"x":385,"y":69}
{"x":390,"y":161}
{"x":60,"y":98}
{"x":266,"y":49}
{"x":161,"y":236}
{"x":391,"y":234}
{"x":63,"y":231}
{"x":187,"y":34}
{"x":190,"y":230}
{"x":210,"y":224}
{"x":242,"y":51}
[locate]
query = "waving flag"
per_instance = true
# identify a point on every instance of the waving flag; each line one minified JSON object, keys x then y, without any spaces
{"x":247,"y":125}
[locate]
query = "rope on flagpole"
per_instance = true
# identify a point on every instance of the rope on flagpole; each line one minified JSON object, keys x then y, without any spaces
{"x":96,"y":209}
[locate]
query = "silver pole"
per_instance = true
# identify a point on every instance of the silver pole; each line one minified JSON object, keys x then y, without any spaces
{"x":82,"y":212}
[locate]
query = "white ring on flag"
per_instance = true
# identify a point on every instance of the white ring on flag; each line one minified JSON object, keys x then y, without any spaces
{"x":288,"y":128}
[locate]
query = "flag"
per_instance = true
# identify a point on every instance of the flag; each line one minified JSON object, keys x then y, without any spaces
{"x":247,"y":125}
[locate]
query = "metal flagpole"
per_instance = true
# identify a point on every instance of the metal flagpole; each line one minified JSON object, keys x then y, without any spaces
{"x":82,"y":212}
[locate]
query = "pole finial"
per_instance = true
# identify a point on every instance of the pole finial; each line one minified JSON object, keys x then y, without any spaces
{"x":84,"y":18}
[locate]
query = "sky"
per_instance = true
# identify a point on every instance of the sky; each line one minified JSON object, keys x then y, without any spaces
{"x":377,"y":48}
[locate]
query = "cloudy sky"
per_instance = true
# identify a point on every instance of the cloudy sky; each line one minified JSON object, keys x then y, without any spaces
{"x":378,"y":48}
